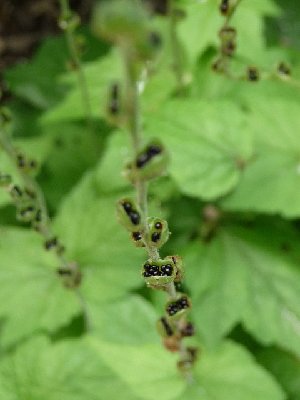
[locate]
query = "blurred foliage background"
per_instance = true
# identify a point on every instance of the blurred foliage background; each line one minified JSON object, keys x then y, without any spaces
{"x":231,"y":197}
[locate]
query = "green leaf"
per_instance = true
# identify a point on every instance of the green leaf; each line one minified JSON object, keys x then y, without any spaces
{"x":249,"y":276}
{"x":206,"y":144}
{"x":67,"y":370}
{"x":270,"y":181}
{"x":88,"y":224}
{"x":147,"y":368}
{"x":32,"y":296}
{"x":285,"y":367}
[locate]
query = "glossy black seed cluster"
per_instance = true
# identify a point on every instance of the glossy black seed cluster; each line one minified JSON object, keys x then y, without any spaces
{"x":188,"y":330}
{"x":155,"y":270}
{"x":51,"y":243}
{"x":150,"y":152}
{"x":177,"y":305}
{"x":224,"y":7}
{"x":252,"y":74}
{"x":134,"y":216}
{"x":114,"y":104}
{"x":167,"y":327}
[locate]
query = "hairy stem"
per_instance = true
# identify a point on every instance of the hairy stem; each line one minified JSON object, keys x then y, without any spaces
{"x":134,"y":127}
{"x":75,"y":57}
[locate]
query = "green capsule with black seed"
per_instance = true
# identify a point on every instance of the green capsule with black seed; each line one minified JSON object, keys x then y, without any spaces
{"x":26,"y":213}
{"x":177,"y":308}
{"x":177,"y":260}
{"x":129,"y":214}
{"x":5,"y":180}
{"x":159,"y":273}
{"x":165,"y":327}
{"x":158,"y":232}
{"x":137,"y":239}
{"x":151,"y":162}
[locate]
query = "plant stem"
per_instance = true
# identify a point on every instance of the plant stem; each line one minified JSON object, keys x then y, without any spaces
{"x":73,"y":49}
{"x":132,"y":109}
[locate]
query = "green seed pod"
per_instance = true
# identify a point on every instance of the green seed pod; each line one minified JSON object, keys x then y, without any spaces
{"x":70,"y":275}
{"x":159,"y":272}
{"x":164,"y":327}
{"x":228,"y":40}
{"x":283,"y":69}
{"x":158,"y":232}
{"x":16,"y":192}
{"x":26,"y":213}
{"x":175,"y":309}
{"x":137,"y":239}
{"x":227,"y":7}
{"x":151,"y":162}
{"x":120,"y":20}
{"x":129,"y":215}
{"x":252,"y":74}
{"x":5,"y":180}
{"x":177,"y":260}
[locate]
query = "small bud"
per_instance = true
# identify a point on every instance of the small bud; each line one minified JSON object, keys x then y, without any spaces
{"x":5,"y":180}
{"x":158,"y":232}
{"x":151,"y":162}
{"x":129,"y":215}
{"x":252,"y":74}
{"x":179,"y":307}
{"x":159,"y":273}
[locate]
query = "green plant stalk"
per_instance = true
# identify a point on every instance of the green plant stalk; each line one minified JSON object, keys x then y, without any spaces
{"x":73,"y":49}
{"x":45,"y":225}
{"x":132,"y":111}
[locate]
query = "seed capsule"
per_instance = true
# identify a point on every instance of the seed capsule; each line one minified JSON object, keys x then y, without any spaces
{"x":187,"y":330}
{"x":179,"y":307}
{"x":252,"y":74}
{"x":70,"y":275}
{"x":129,"y":215}
{"x":16,"y":192}
{"x":177,"y":260}
{"x":224,"y":7}
{"x":51,"y":243}
{"x":26,"y":213}
{"x":137,"y":239}
{"x":159,"y":272}
{"x":158,"y":232}
{"x":284,"y":69}
{"x":151,"y":162}
{"x":5,"y":180}
{"x":164,"y":327}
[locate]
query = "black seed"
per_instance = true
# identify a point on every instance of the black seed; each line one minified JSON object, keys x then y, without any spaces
{"x":167,"y":270}
{"x":127,"y":206}
{"x":136,"y":236}
{"x":153,"y":150}
{"x":167,"y":327}
{"x":188,"y":330}
{"x":147,"y":267}
{"x":50,"y":243}
{"x":155,"y":237}
{"x":142,"y":160}
{"x":158,"y":225}
{"x":224,"y":7}
{"x":154,"y":270}
{"x":147,"y":274}
{"x":134,"y":217}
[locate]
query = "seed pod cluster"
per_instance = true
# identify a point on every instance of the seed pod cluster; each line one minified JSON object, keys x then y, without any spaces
{"x":175,"y":309}
{"x":150,"y":163}
{"x":159,"y":272}
{"x":129,"y":215}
